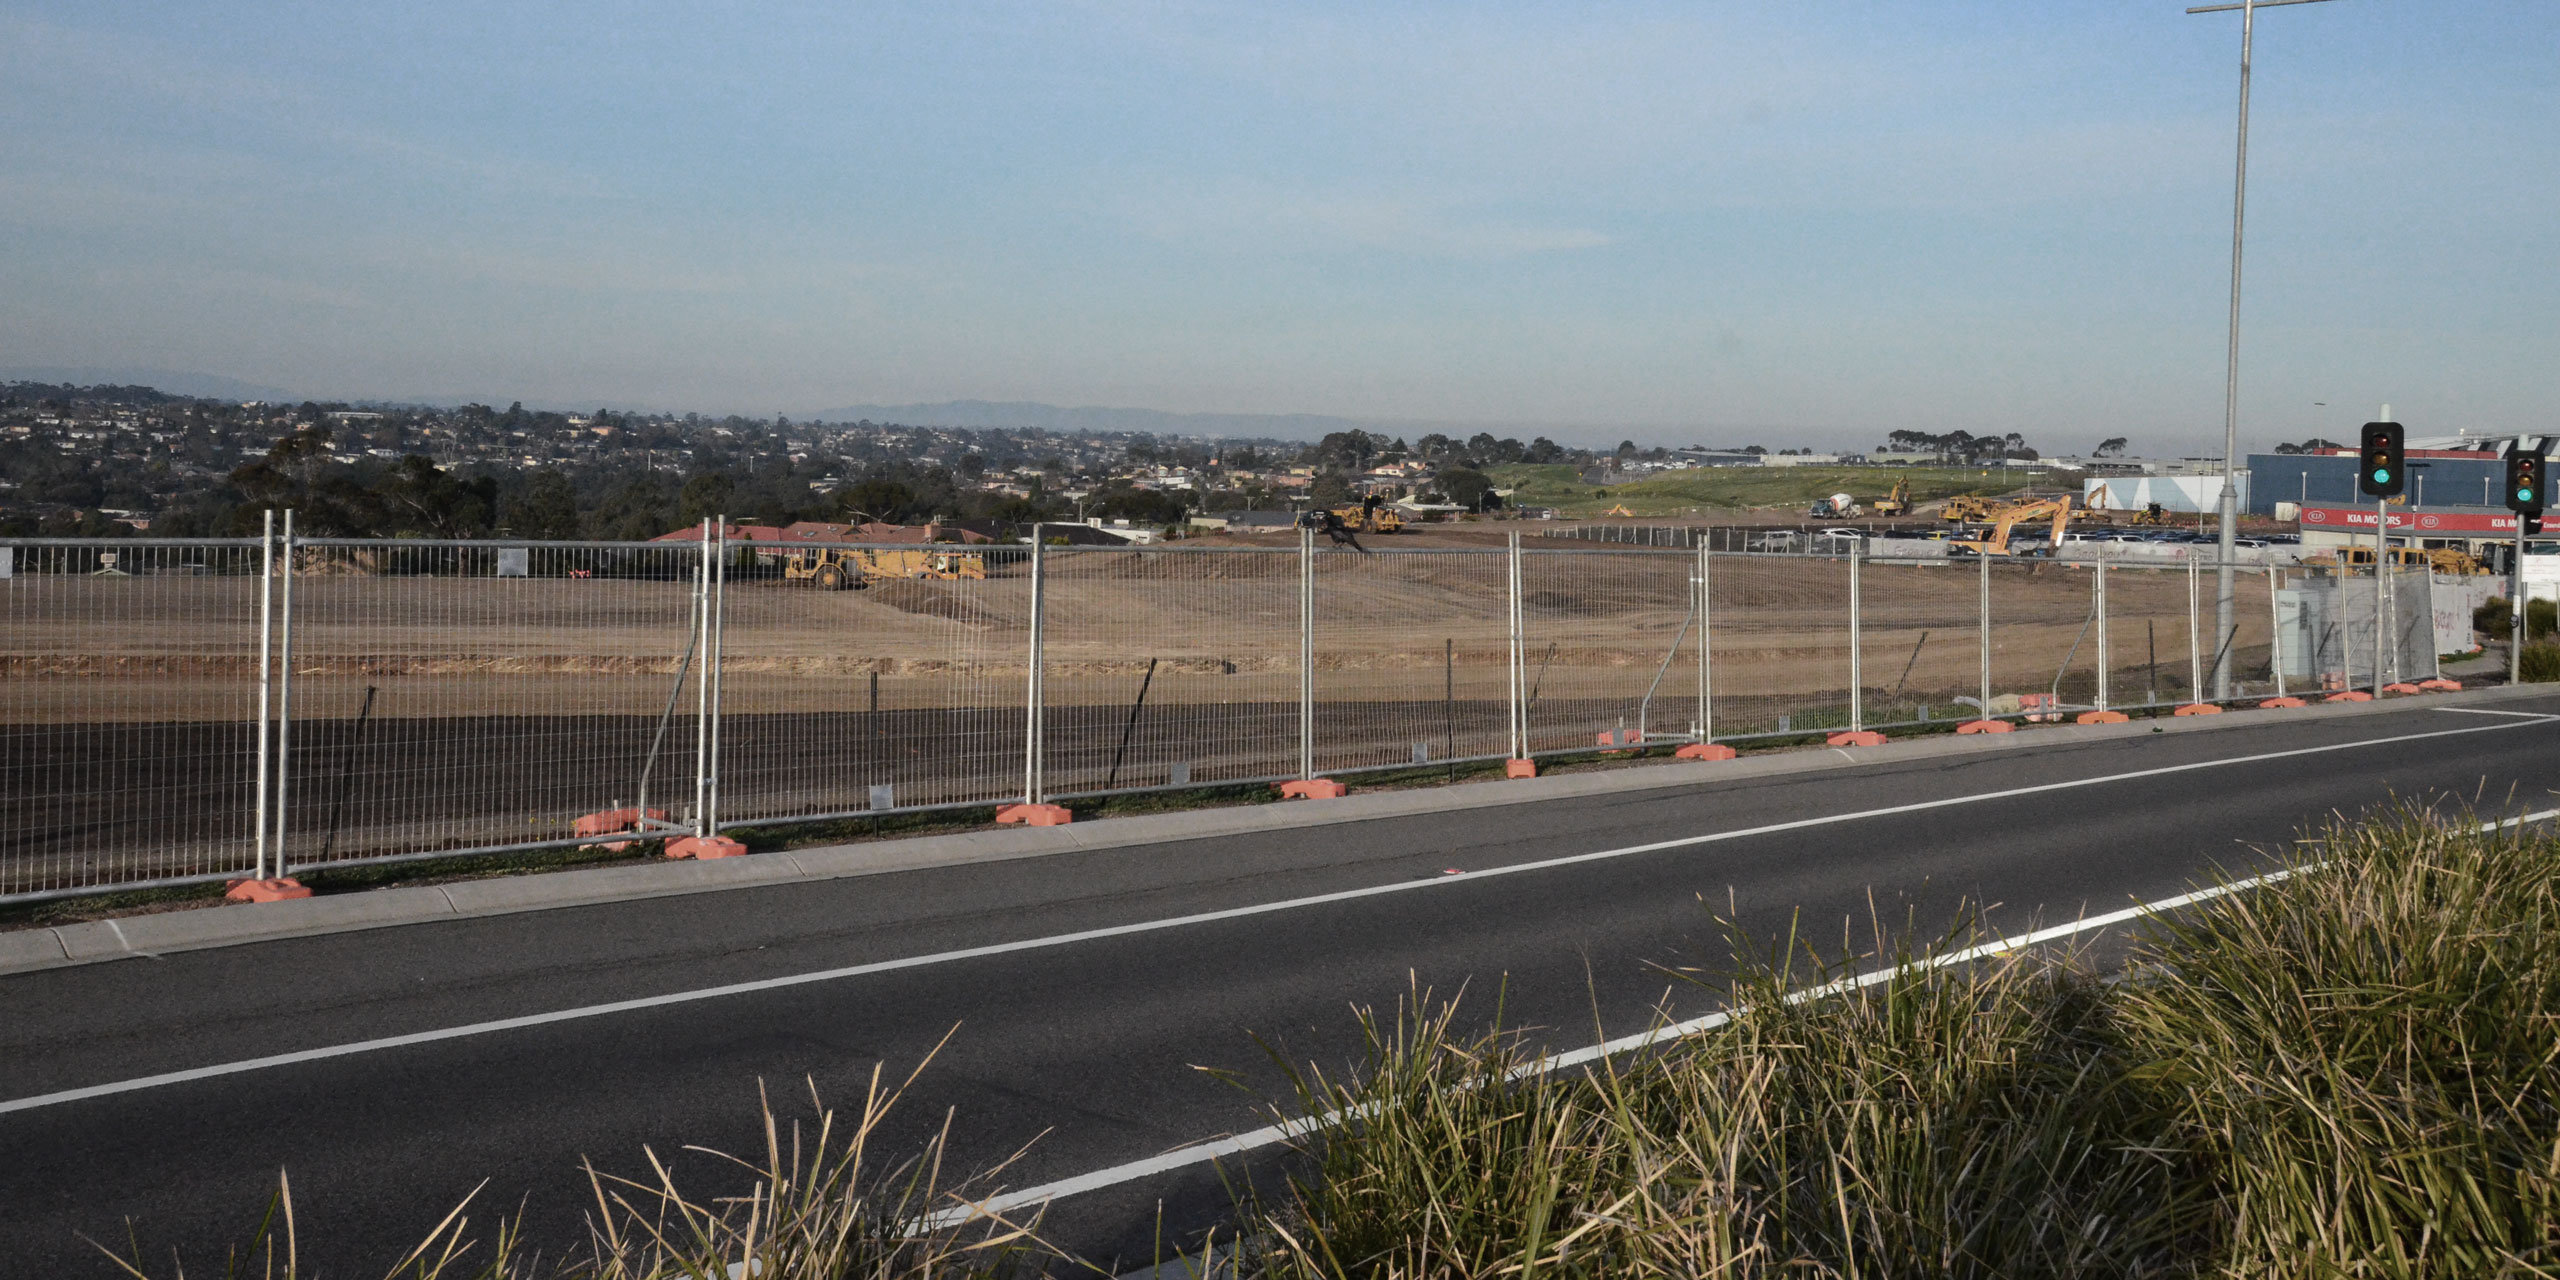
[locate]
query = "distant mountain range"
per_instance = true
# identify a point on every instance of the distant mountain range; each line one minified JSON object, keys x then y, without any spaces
{"x":1027,"y":416}
{"x":207,"y":385}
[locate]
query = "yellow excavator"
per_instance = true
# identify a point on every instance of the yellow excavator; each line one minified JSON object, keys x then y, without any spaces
{"x":2007,"y":519}
{"x":835,"y":568}
{"x":1896,"y":503}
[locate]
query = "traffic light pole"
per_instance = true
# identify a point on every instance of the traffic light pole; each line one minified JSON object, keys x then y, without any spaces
{"x":2381,"y":558}
{"x":2515,"y":608}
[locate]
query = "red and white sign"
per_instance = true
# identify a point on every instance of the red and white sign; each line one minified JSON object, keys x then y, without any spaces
{"x":2439,"y":523}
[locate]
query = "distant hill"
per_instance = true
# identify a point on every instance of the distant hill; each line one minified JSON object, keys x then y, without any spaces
{"x":176,"y":383}
{"x":1024,"y":416}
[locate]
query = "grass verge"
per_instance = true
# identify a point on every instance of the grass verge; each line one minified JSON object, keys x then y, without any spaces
{"x":2354,"y":1071}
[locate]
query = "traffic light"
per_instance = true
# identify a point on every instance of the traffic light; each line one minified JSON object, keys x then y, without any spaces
{"x":2381,"y":472}
{"x":2525,"y":481}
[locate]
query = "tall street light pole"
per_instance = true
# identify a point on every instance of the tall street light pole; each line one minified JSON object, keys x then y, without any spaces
{"x":2230,"y":506}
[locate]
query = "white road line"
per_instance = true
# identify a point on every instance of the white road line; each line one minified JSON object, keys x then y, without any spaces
{"x":1184,"y":1157}
{"x":724,"y":991}
{"x":2484,"y":711}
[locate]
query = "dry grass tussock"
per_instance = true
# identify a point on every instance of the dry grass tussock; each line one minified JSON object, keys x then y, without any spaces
{"x":2352,"y":1072}
{"x":822,"y":1203}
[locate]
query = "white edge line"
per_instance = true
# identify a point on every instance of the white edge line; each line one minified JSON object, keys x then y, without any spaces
{"x":1183,"y":1157}
{"x":2484,"y":711}
{"x":521,"y":1022}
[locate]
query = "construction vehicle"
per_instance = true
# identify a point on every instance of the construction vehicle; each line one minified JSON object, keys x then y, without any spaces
{"x":1371,"y":516}
{"x":2450,"y":561}
{"x":1897,"y":502}
{"x":2101,"y":504}
{"x":836,"y":568}
{"x":1838,"y":506}
{"x":1965,"y":508}
{"x":2007,"y":519}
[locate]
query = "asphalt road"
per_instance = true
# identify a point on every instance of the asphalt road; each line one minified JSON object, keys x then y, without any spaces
{"x":1090,"y":1047}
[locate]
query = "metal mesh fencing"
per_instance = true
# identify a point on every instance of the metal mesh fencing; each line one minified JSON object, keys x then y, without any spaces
{"x":457,"y":695}
{"x":439,"y":697}
{"x":1918,"y":628}
{"x":1411,"y":658}
{"x":1601,"y":632}
{"x":2330,"y":629}
{"x":1780,"y":639}
{"x":1167,"y":668}
{"x":2159,"y":618}
{"x":864,"y":678}
{"x":129,"y":712}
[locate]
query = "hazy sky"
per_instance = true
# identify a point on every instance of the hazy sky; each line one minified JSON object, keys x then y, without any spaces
{"x":1801,"y":222}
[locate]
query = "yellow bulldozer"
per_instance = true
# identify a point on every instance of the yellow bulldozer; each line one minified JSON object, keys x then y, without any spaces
{"x":836,"y":568}
{"x":1965,"y":508}
{"x":1371,"y":516}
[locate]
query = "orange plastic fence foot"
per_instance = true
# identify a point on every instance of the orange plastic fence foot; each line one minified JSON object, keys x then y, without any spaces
{"x":1314,"y":789}
{"x":1622,"y":739}
{"x":1856,"y":738}
{"x":1986,"y":726}
{"x":2440,"y":683}
{"x":2351,"y":695}
{"x":2276,"y":704}
{"x":705,"y":848}
{"x":607,"y":822}
{"x":2198,"y":709}
{"x":2102,"y":717}
{"x":274,"y":889}
{"x":1519,"y":768}
{"x":1706,"y":751}
{"x":1037,"y":815}
{"x":2401,"y":686}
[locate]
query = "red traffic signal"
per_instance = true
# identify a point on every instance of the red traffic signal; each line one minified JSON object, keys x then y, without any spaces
{"x":2381,"y":468}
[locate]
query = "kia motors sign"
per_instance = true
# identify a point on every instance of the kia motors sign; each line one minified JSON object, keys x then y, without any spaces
{"x":2437,"y":523}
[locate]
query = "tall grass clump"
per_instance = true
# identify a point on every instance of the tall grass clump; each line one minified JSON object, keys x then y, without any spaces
{"x":2352,"y":1070}
{"x":2368,"y":1052}
{"x":1967,"y":1124}
{"x":820,"y":1203}
{"x":2540,"y":662}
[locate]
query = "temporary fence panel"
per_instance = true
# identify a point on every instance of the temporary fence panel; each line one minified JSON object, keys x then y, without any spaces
{"x":2154,"y":632}
{"x":1917,"y":647}
{"x":1411,"y":657}
{"x":2330,"y":628}
{"x":1600,"y":632}
{"x":2043,"y":636}
{"x":1780,"y":637}
{"x":1168,"y":667}
{"x":862,"y":678}
{"x":461,"y":695}
{"x":128,"y":718}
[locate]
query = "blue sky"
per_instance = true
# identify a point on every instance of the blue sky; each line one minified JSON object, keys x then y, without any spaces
{"x":1809,"y":222}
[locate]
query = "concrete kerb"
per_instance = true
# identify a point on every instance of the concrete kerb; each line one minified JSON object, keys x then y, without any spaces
{"x":61,"y":945}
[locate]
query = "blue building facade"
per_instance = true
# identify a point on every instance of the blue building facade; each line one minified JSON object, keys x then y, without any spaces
{"x":2320,"y":480}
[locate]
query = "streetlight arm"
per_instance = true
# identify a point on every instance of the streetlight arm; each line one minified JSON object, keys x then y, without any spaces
{"x":2253,"y":4}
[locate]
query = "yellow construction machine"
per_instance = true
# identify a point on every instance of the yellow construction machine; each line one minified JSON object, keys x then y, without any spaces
{"x":2006,"y":519}
{"x":1896,"y":503}
{"x":1371,"y":516}
{"x":1965,"y":508}
{"x":835,"y":568}
{"x":2450,"y":561}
